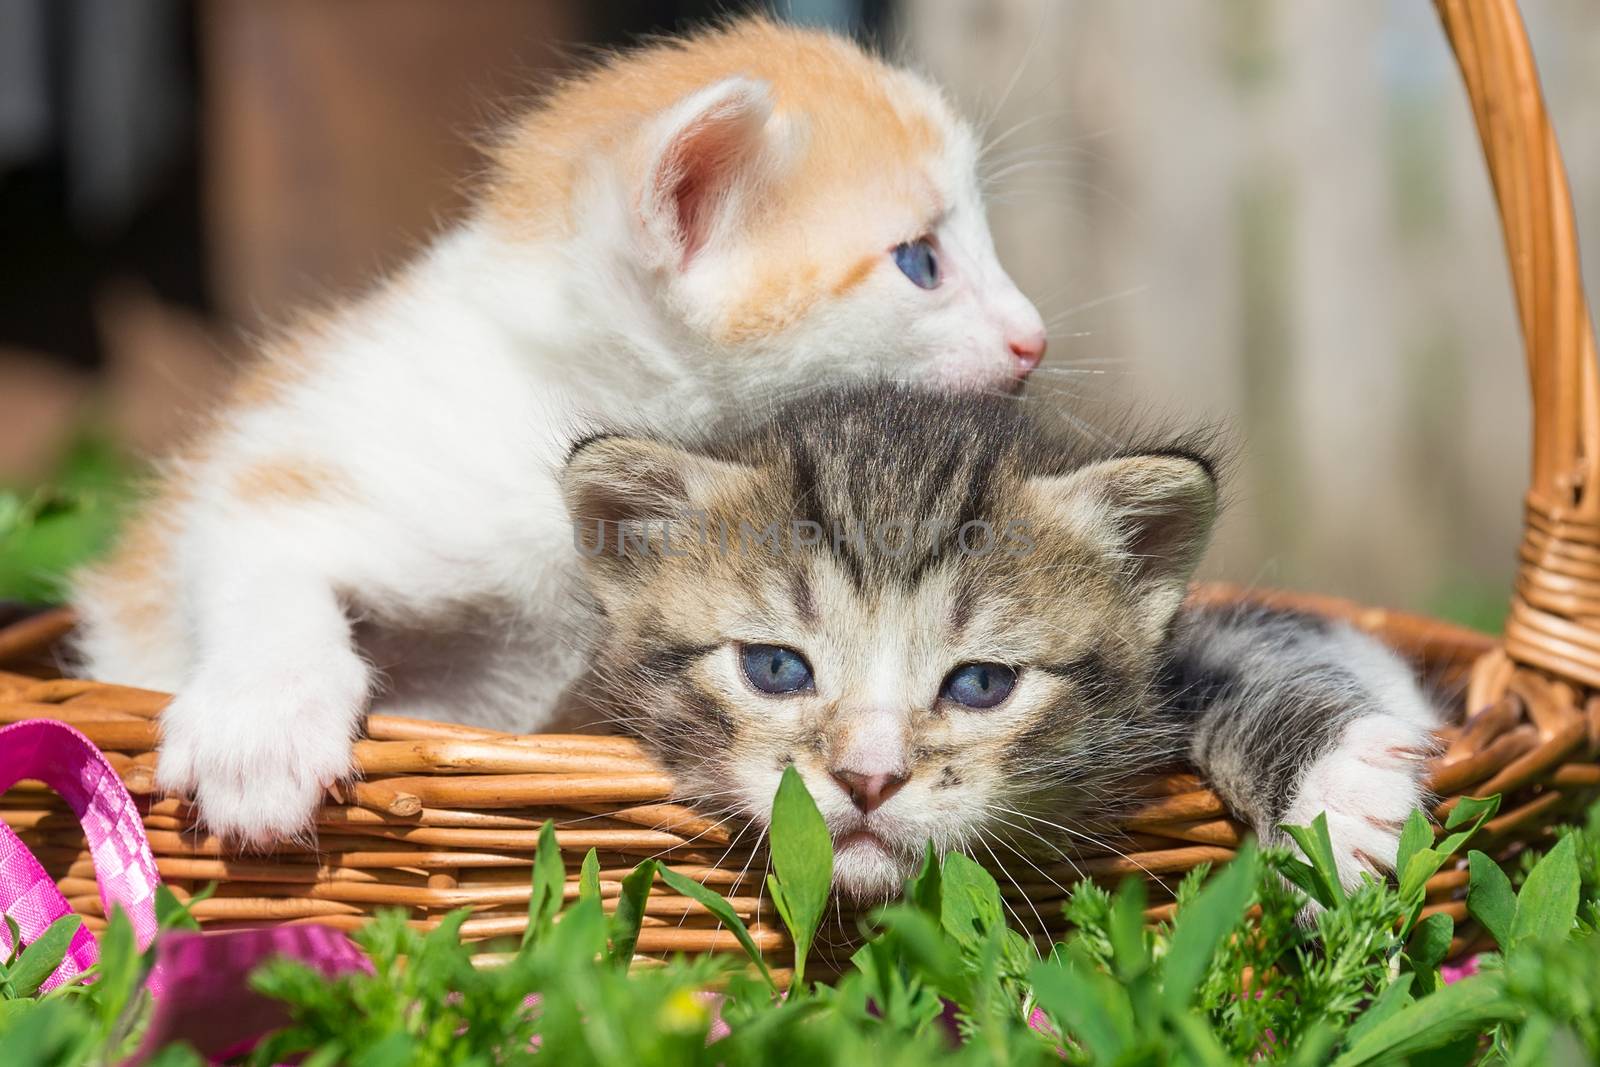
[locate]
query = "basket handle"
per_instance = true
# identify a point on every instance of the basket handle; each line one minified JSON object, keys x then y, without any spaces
{"x":1554,"y":622}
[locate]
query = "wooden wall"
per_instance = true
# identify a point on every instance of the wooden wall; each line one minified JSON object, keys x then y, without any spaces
{"x":1276,"y":214}
{"x":339,"y":136}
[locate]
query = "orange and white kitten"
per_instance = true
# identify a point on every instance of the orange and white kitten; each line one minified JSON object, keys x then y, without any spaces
{"x":686,"y":230}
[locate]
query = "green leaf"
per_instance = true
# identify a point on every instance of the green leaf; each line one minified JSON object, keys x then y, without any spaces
{"x":589,"y":877}
{"x":1314,"y":1045}
{"x":1415,"y":836}
{"x":716,"y":905}
{"x":970,"y":905}
{"x":579,"y":939}
{"x":1468,"y":1007}
{"x":926,"y":950}
{"x":549,"y":882}
{"x":1490,"y":898}
{"x":1300,"y":873}
{"x":120,"y":971}
{"x":181,"y":1054}
{"x":1419,"y":859}
{"x":1089,"y":1005}
{"x":49,"y":1032}
{"x":174,"y":914}
{"x":1461,"y":1052}
{"x":1472,"y":809}
{"x":1390,"y":1001}
{"x":1548,"y":903}
{"x":1479,"y":811}
{"x":1566,"y":1049}
{"x":391,"y":1046}
{"x":40,"y":959}
{"x":802,"y":862}
{"x":1201,"y":925}
{"x":443,"y":938}
{"x":884,"y":980}
{"x":629,"y":915}
{"x":1533,"y":1044}
{"x":16,"y":940}
{"x":1199,"y":1040}
{"x":1313,"y":840}
{"x":1430,"y":941}
{"x":1424,"y":864}
{"x":390,"y":1050}
{"x":1130,"y":953}
{"x":924,"y":890}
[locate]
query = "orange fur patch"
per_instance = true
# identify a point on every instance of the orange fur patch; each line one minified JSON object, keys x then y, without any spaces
{"x":133,"y":579}
{"x":266,"y":379}
{"x":285,"y":481}
{"x":283,"y":363}
{"x":866,"y":132}
{"x":772,"y":303}
{"x":859,"y":117}
{"x":142,"y":550}
{"x":857,"y":274}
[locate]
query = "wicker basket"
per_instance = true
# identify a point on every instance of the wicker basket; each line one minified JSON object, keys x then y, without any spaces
{"x":448,"y":816}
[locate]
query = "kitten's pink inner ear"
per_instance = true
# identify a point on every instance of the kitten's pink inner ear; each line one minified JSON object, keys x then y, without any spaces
{"x":706,"y":167}
{"x":704,"y":156}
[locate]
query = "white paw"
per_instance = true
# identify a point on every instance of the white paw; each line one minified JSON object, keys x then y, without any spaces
{"x":256,"y":746}
{"x":1368,"y":785}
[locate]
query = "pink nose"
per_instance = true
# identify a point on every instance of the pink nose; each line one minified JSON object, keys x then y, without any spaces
{"x":868,"y":791}
{"x":1028,"y":350}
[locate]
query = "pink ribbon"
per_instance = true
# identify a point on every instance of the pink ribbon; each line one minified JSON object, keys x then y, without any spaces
{"x":68,"y":763}
{"x":209,"y":1002}
{"x":200,"y":980}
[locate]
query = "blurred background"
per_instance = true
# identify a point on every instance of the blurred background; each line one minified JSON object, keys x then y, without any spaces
{"x":1269,"y":213}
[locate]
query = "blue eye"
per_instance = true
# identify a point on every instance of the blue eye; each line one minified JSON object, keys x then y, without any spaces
{"x":979,"y":685}
{"x":775,"y":669}
{"x":918,"y":262}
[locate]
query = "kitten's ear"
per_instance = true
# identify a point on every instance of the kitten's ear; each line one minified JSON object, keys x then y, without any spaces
{"x":708,"y":155}
{"x":1155,"y":511}
{"x":621,"y":492}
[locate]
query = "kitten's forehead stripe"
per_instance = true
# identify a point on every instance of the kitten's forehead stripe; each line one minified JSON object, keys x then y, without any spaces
{"x":808,"y":501}
{"x":938,"y":483}
{"x":977,"y":491}
{"x":966,"y":595}
{"x":805,"y":601}
{"x":872,"y":465}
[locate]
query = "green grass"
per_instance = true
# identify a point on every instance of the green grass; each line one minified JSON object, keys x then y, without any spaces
{"x":47,"y":531}
{"x":1362,"y":985}
{"x":1478,"y":605}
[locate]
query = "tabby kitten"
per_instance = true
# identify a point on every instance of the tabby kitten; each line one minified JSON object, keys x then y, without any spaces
{"x":964,"y":622}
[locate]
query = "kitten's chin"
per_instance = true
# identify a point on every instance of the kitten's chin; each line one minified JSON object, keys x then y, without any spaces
{"x":865,"y":872}
{"x":982,"y":380}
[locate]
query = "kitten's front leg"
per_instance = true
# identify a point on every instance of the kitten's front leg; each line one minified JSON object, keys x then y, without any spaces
{"x":1295,"y":717}
{"x":267,"y":718}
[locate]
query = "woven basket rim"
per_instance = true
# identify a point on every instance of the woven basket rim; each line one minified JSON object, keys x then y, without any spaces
{"x":447,"y":815}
